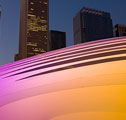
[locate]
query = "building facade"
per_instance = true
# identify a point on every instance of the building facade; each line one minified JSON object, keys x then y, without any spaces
{"x":90,"y":24}
{"x":120,"y":30}
{"x":57,"y":40}
{"x":34,"y":28}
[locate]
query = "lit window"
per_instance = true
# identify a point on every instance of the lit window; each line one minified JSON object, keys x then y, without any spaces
{"x":43,"y":11}
{"x":45,"y":3}
{"x":31,"y":9}
{"x":31,"y":3}
{"x":31,"y":44}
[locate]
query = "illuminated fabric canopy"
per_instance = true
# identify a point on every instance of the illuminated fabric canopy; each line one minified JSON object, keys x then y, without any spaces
{"x":81,"y":82}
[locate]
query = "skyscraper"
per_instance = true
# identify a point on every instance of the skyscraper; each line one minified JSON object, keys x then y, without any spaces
{"x":57,"y":40}
{"x":90,"y":24}
{"x":120,"y":30}
{"x":34,"y":28}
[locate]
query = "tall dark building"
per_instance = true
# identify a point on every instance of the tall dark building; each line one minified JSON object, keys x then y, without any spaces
{"x":120,"y":30}
{"x":90,"y":24}
{"x":57,"y":40}
{"x":34,"y":28}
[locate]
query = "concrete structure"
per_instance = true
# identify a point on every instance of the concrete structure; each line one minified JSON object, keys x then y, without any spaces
{"x":34,"y":28}
{"x":120,"y":30}
{"x":57,"y":40}
{"x":90,"y":24}
{"x":81,"y":82}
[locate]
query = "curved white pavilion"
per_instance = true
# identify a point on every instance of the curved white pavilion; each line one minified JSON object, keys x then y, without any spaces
{"x":82,"y":82}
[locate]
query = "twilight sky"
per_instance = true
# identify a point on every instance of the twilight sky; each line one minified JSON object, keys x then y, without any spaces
{"x":61,"y":18}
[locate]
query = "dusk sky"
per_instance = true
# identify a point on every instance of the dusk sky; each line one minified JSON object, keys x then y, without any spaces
{"x":61,"y":18}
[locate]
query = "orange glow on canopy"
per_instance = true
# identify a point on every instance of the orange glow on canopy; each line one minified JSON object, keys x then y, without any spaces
{"x":54,"y":86}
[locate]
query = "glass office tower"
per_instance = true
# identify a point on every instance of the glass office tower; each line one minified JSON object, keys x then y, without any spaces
{"x":90,"y":24}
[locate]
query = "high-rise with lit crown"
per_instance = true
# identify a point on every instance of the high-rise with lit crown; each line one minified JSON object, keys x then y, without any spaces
{"x":34,"y":28}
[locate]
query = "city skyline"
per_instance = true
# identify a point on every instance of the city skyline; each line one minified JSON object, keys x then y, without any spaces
{"x":61,"y":15}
